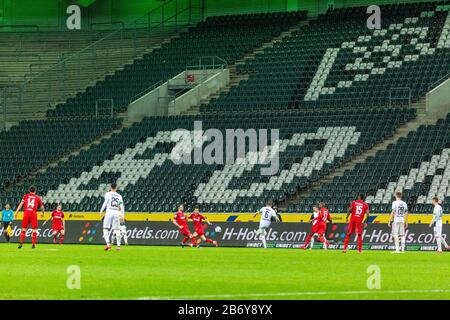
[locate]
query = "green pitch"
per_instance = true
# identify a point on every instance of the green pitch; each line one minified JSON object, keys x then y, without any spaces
{"x":218,"y":273}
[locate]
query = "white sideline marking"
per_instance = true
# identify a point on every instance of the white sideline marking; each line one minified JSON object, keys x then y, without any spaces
{"x":287,"y":294}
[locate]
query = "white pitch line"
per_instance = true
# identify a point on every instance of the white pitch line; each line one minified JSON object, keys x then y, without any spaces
{"x":287,"y":294}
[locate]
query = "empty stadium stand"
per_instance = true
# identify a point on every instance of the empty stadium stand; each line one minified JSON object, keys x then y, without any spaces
{"x":41,"y":69}
{"x":334,"y":89}
{"x":138,"y":158}
{"x":218,"y":36}
{"x":417,"y":165}
{"x":122,"y":85}
{"x":337,"y":61}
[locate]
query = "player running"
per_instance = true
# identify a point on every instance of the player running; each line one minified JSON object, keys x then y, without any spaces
{"x":180,"y":221}
{"x":359,"y":215}
{"x":436,"y":224}
{"x":114,"y":208}
{"x":319,"y":226}
{"x":30,"y":203}
{"x":312,"y":233}
{"x":267,"y":213}
{"x":198,"y":219}
{"x":399,"y":215}
{"x":58,"y":224}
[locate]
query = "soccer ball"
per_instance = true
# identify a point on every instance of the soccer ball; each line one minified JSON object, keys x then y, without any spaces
{"x":218,"y":229}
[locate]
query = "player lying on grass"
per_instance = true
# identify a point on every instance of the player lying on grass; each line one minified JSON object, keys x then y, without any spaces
{"x":180,"y":221}
{"x":58,"y":224}
{"x":436,"y":224}
{"x":267,"y":214}
{"x":114,"y":207}
{"x":198,"y":219}
{"x":359,"y":211}
{"x":7,"y":219}
{"x":319,"y":226}
{"x":30,"y":203}
{"x":399,"y":215}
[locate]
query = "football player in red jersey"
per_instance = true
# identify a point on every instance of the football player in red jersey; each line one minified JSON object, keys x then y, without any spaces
{"x":319,"y":225}
{"x":313,"y":231}
{"x":198,"y":219}
{"x":30,"y":203}
{"x":359,"y":210}
{"x":58,"y":224}
{"x":180,"y":221}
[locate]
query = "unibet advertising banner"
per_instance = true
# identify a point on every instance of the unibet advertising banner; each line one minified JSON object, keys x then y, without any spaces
{"x":419,"y":237}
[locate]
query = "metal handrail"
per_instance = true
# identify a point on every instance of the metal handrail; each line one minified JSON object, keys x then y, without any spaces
{"x":106,"y":23}
{"x":191,"y":85}
{"x":145,"y":91}
{"x":399,"y":89}
{"x":438,"y":82}
{"x":201,"y":65}
{"x":21,"y":54}
{"x":35,"y":26}
{"x":111,"y":105}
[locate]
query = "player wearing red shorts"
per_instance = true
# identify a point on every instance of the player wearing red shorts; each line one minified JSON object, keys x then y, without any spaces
{"x":198,"y":219}
{"x":180,"y":220}
{"x":359,"y":210}
{"x":319,"y":225}
{"x":311,"y":234}
{"x":58,"y":224}
{"x":30,"y":203}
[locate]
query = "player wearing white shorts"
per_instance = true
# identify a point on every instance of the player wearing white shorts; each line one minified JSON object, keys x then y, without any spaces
{"x":436,"y":224}
{"x":399,"y":215}
{"x":267,"y":213}
{"x":114,"y":207}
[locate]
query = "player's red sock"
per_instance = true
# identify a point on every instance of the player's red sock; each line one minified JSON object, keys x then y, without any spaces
{"x":33,"y":238}
{"x":359,"y":242}
{"x":185,"y":239}
{"x":194,"y":241}
{"x":308,"y":240}
{"x":54,"y":239}
{"x":61,"y":238}
{"x":22,"y":236}
{"x":347,"y":238}
{"x":323,"y":240}
{"x":209,"y":241}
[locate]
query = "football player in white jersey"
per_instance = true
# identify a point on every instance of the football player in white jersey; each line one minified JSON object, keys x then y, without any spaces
{"x":436,"y":224}
{"x":399,"y":215}
{"x":114,"y":207}
{"x":267,"y":213}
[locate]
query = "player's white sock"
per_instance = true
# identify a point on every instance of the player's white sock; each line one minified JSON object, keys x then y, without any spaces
{"x":106,"y":234}
{"x":439,"y":243}
{"x":444,"y":242}
{"x":118,"y":237}
{"x":263,"y":239}
{"x":403,"y":239}
{"x":311,"y":244}
{"x":397,"y":247}
{"x":125,"y":238}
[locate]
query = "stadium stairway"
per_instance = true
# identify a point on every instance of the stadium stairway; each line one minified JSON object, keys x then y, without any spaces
{"x":113,"y":56}
{"x":422,"y":118}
